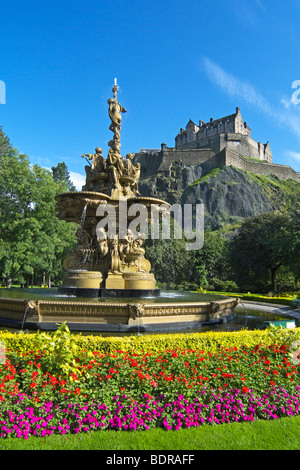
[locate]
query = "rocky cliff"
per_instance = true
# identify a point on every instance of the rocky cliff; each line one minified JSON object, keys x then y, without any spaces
{"x":229,"y":194}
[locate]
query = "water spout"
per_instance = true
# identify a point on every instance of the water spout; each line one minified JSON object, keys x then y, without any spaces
{"x":31,"y":305}
{"x":245,"y":312}
{"x":83,"y":215}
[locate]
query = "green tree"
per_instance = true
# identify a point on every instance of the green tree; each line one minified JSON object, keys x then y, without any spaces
{"x":259,"y":249}
{"x":32,"y":239}
{"x":171,"y":262}
{"x":61,"y":174}
{"x":211,"y":261}
{"x":293,"y":245}
{"x":5,"y":145}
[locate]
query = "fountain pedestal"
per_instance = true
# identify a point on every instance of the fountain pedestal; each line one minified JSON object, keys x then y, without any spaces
{"x":115,"y":281}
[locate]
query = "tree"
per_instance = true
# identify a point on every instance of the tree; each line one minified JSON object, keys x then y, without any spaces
{"x":61,"y":174}
{"x":32,"y":239}
{"x":5,"y":145}
{"x":259,"y":249}
{"x":212,"y":260}
{"x":293,"y":245}
{"x":170,"y":260}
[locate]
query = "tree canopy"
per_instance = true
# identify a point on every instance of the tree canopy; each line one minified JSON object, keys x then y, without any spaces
{"x":262,"y":246}
{"x":61,"y":174}
{"x":32,"y":239}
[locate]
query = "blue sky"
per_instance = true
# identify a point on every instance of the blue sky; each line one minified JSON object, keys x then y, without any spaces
{"x":174,"y":61}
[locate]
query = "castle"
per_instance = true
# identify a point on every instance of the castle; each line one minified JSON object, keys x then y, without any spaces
{"x":221,"y":142}
{"x":228,"y":132}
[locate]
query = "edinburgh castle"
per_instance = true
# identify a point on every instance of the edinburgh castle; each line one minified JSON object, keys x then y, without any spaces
{"x":222,"y":142}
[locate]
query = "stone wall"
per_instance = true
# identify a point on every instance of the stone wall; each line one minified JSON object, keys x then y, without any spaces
{"x":230,"y":158}
{"x":189,"y":157}
{"x":162,"y":161}
{"x":149,"y":162}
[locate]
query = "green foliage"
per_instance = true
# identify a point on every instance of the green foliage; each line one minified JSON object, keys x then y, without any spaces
{"x":285,"y":194}
{"x":259,"y":249}
{"x":5,"y":145}
{"x":61,"y":174}
{"x":52,"y":342}
{"x":224,"y":286}
{"x":32,"y":239}
{"x":279,"y":335}
{"x":212,"y":260}
{"x":170,"y":261}
{"x":58,"y":351}
{"x":293,"y":244}
{"x":266,"y":299}
{"x":212,"y":174}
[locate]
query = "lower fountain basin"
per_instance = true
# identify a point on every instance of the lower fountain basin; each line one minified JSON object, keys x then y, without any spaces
{"x":43,"y":309}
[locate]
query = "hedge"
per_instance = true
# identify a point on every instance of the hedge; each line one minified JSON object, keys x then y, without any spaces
{"x":208,"y":341}
{"x":258,"y":298}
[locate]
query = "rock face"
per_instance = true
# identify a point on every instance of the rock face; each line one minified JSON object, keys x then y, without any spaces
{"x":229,"y":197}
{"x":229,"y":194}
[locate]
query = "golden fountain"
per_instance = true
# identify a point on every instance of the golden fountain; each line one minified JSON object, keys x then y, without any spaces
{"x":108,"y":260}
{"x":107,"y":284}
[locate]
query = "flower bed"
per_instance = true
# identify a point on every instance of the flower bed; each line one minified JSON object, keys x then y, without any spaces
{"x":69,"y":390}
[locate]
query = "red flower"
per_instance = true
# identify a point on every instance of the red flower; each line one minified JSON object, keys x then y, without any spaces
{"x":245,"y":390}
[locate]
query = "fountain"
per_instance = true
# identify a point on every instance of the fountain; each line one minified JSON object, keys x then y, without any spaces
{"x":109,"y":258}
{"x":108,"y":281}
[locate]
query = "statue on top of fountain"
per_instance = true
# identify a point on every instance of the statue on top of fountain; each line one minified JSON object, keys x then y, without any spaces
{"x":114,"y":176}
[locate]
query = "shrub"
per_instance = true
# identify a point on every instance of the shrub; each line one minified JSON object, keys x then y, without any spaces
{"x":224,"y":286}
{"x":52,"y":342}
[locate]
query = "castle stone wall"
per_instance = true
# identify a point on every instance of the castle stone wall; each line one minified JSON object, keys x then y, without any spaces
{"x":189,"y":157}
{"x":162,"y":161}
{"x":149,"y":162}
{"x":260,"y":168}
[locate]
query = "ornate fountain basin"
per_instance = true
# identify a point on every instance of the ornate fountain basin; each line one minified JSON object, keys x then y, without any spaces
{"x":164,"y":313}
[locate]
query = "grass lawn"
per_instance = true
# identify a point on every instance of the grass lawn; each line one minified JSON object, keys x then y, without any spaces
{"x":280,"y":434}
